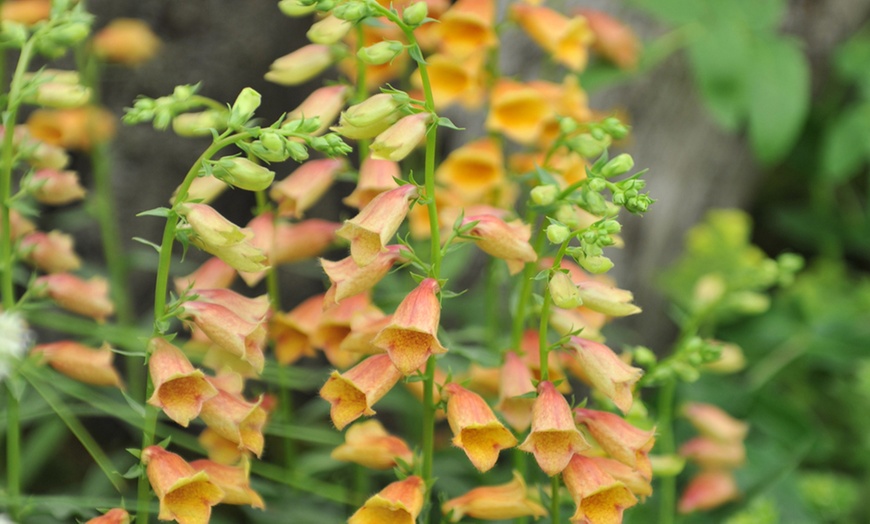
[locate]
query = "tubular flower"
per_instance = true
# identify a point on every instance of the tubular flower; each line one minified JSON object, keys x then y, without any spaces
{"x":467,"y":27}
{"x":375,"y":177}
{"x":375,"y":225}
{"x":185,"y":494}
{"x":711,"y":421}
{"x":368,"y":444}
{"x":233,"y":480}
{"x":235,"y":419}
{"x":370,"y":117}
{"x":213,"y":273}
{"x":324,"y":104}
{"x":508,"y":241}
{"x":517,"y":110}
{"x":80,"y":362}
{"x":302,"y":240}
{"x":79,"y":128}
{"x":554,"y":438}
{"x":606,"y":372}
{"x":613,"y":40}
{"x":412,"y":336}
{"x":179,"y":388}
{"x":475,"y":428}
{"x":242,"y":337}
{"x":220,"y":449}
{"x":349,"y":279}
{"x":473,"y":169}
{"x":516,"y":381}
{"x":301,"y":65}
{"x":218,"y":236}
{"x":249,"y":309}
{"x":292,"y":331}
{"x":600,"y":498}
{"x":18,"y":225}
{"x":622,"y":441}
{"x":505,"y":501}
{"x":363,"y":330}
{"x":89,"y":298}
{"x":304,"y":186}
{"x":566,"y":39}
{"x":454,"y":80}
{"x":354,"y":392}
{"x":203,"y":189}
{"x":713,"y":454}
{"x":606,"y":299}
{"x":633,"y":479}
{"x":26,"y":12}
{"x":50,"y":252}
{"x":335,"y":325}
{"x":126,"y":41}
{"x":708,"y":490}
{"x":398,"y":503}
{"x":55,"y":188}
{"x":398,"y":140}
{"x":113,"y":516}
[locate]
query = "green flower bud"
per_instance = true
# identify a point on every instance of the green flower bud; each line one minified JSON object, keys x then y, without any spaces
{"x":243,"y":174}
{"x":329,"y":30}
{"x":588,"y":146}
{"x":372,"y":111}
{"x":381,"y":52}
{"x":271,"y":147}
{"x":557,"y":233}
{"x":567,"y":215}
{"x":351,"y":11}
{"x":297,"y":151}
{"x":643,"y":356}
{"x":596,"y":264}
{"x":199,"y":124}
{"x":615,"y":128}
{"x":611,"y":227}
{"x":567,"y":125}
{"x":544,"y":195}
{"x":295,"y":8}
{"x":596,"y":184}
{"x":563,"y":291}
{"x":13,"y":34}
{"x":619,"y":199}
{"x":414,"y":15}
{"x":69,"y":34}
{"x":617,"y":166}
{"x":243,"y":109}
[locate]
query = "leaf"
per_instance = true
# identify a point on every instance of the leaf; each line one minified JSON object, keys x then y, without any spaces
{"x":779,"y":96}
{"x":147,"y":243}
{"x":416,"y":54}
{"x":162,"y":212}
{"x":446,"y":122}
{"x":845,"y":146}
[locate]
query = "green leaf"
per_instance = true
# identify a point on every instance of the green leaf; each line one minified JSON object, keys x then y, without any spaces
{"x":416,"y":54}
{"x":156,"y":212}
{"x":446,"y":122}
{"x":135,"y":471}
{"x":845,"y":146}
{"x":147,"y":243}
{"x":779,"y":96}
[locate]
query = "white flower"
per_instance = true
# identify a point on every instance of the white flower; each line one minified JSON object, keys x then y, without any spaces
{"x":15,"y":337}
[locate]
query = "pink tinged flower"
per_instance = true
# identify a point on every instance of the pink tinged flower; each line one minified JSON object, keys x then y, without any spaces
{"x":220,"y":449}
{"x":566,"y":39}
{"x":80,"y":362}
{"x":55,"y":188}
{"x":179,"y":388}
{"x":235,"y":419}
{"x":335,"y":325}
{"x":302,"y":240}
{"x":113,"y":516}
{"x":484,"y":380}
{"x":304,"y":186}
{"x":222,"y":361}
{"x":250,"y":309}
{"x":218,"y":236}
{"x":51,"y":252}
{"x":291,"y":331}
{"x":398,"y":140}
{"x":475,"y":428}
{"x":606,"y":372}
{"x":554,"y":438}
{"x":301,"y":65}
{"x":508,"y":241}
{"x":19,"y":226}
{"x":89,"y":298}
{"x":233,"y":480}
{"x":622,"y":441}
{"x":613,"y":40}
{"x":349,"y":279}
{"x":185,"y":494}
{"x":398,"y":503}
{"x":234,"y":334}
{"x":353,"y":393}
{"x":375,"y":225}
{"x":606,"y":299}
{"x":713,"y":454}
{"x":412,"y":336}
{"x":363,"y":330}
{"x":516,"y":382}
{"x":600,"y":499}
{"x":531,"y":350}
{"x":204,"y":189}
{"x":708,"y":490}
{"x":633,"y":479}
{"x":711,"y":421}
{"x":501,"y":502}
{"x":324,"y":104}
{"x":375,"y":177}
{"x":368,"y":444}
{"x":213,"y":273}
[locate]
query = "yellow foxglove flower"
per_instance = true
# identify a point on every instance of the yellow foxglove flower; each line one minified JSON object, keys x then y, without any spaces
{"x":467,"y":27}
{"x":473,"y":169}
{"x":233,"y":480}
{"x":375,"y":225}
{"x":398,"y":140}
{"x":517,"y":110}
{"x":335,"y":325}
{"x":501,"y":502}
{"x":79,"y":128}
{"x":292,"y":331}
{"x":613,"y":40}
{"x":368,"y":444}
{"x":637,"y":482}
{"x":475,"y":428}
{"x":242,"y":337}
{"x":398,"y":503}
{"x":220,"y":449}
{"x":179,"y":388}
{"x":235,"y":419}
{"x":554,"y":438}
{"x":185,"y":494}
{"x":566,"y":39}
{"x":456,"y":81}
{"x":354,"y":392}
{"x":600,"y":499}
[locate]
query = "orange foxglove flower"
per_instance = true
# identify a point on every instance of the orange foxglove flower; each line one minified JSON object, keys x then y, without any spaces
{"x":233,"y":480}
{"x":622,"y":441}
{"x":713,"y":454}
{"x":213,"y":273}
{"x":218,"y":236}
{"x":508,"y":241}
{"x":354,"y":392}
{"x":185,"y":494}
{"x":398,"y":503}
{"x":304,"y":186}
{"x":80,"y":362}
{"x":203,"y":189}
{"x":335,"y":325}
{"x":501,"y":502}
{"x":302,"y":240}
{"x":566,"y":39}
{"x":467,"y":27}
{"x":19,"y":226}
{"x":375,"y":225}
{"x":398,"y":140}
{"x":324,"y":104}
{"x":89,"y":298}
{"x":55,"y":188}
{"x":368,"y":444}
{"x":606,"y":372}
{"x":412,"y":336}
{"x":708,"y":490}
{"x":79,"y":128}
{"x":235,"y":419}
{"x":613,"y":40}
{"x":363,"y":330}
{"x":249,"y":309}
{"x":126,"y":41}
{"x":113,"y":516}
{"x":517,"y":110}
{"x":600,"y":499}
{"x":711,"y":421}
{"x":179,"y":388}
{"x":637,"y":482}
{"x":375,"y":177}
{"x":453,"y":80}
{"x":516,"y":381}
{"x":475,"y":428}
{"x":220,"y":449}
{"x":349,"y":279}
{"x":554,"y":438}
{"x":292,"y":331}
{"x":242,"y":337}
{"x":51,"y":252}
{"x":301,"y":65}
{"x":26,"y":12}
{"x":473,"y":169}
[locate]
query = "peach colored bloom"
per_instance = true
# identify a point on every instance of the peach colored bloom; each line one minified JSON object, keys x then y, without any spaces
{"x":233,"y":480}
{"x":473,"y":169}
{"x":370,"y":117}
{"x":235,"y":419}
{"x":467,"y":27}
{"x":55,"y":188}
{"x":566,"y":39}
{"x":75,"y":129}
{"x":508,"y":241}
{"x":375,"y":177}
{"x":637,"y":482}
{"x":302,"y":240}
{"x":554,"y":438}
{"x":516,"y":381}
{"x":179,"y":388}
{"x":51,"y":252}
{"x":113,"y":516}
{"x":398,"y":503}
{"x":249,"y":309}
{"x":218,"y":236}
{"x":292,"y":331}
{"x":711,"y":421}
{"x":324,"y":104}
{"x":185,"y":495}
{"x":613,"y":39}
{"x":301,"y":65}
{"x":475,"y":428}
{"x":305,"y":185}
{"x":348,"y":279}
{"x":354,"y":392}
{"x":622,"y":441}
{"x":412,"y":336}
{"x":453,"y":81}
{"x":80,"y":362}
{"x":335,"y":325}
{"x":126,"y":41}
{"x":239,"y":336}
{"x":606,"y":372}
{"x":713,"y":454}
{"x":368,"y":444}
{"x":708,"y":490}
{"x":483,"y":380}
{"x":89,"y":298}
{"x":213,"y":273}
{"x":375,"y":225}
{"x":363,"y":330}
{"x":606,"y":299}
{"x":600,"y":499}
{"x":26,"y":12}
{"x":518,"y":111}
{"x":398,"y":140}
{"x":203,"y":189}
{"x":504,"y":501}
{"x":220,"y":449}
{"x":20,"y":226}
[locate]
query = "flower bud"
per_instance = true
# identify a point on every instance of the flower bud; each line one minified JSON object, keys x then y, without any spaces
{"x":380,"y":53}
{"x":59,"y":95}
{"x":295,"y":8}
{"x":242,"y":173}
{"x":588,"y":146}
{"x":563,"y":291}
{"x":69,"y":34}
{"x":328,"y":30}
{"x":557,"y":233}
{"x":199,"y":124}
{"x":13,"y":34}
{"x":415,"y":14}
{"x":377,"y":108}
{"x":401,"y":138}
{"x":351,"y":11}
{"x":596,"y":264}
{"x":567,"y":215}
{"x":243,"y":109}
{"x":126,"y":41}
{"x":301,"y":65}
{"x":544,"y":195}
{"x":617,"y":166}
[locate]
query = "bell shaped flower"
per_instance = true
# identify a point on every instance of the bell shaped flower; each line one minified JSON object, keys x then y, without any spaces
{"x":375,"y":177}
{"x":398,"y":503}
{"x":335,"y":325}
{"x":606,"y":299}
{"x":554,"y":438}
{"x":515,"y":383}
{"x":233,"y":480}
{"x":714,"y":454}
{"x":456,"y":81}
{"x":216,"y":235}
{"x":501,"y":502}
{"x":708,"y":490}
{"x":475,"y":428}
{"x":291,"y":331}
{"x":51,"y":252}
{"x":54,"y":187}
{"x":605,"y":371}
{"x":232,"y":417}
{"x":473,"y":169}
{"x":305,"y":185}
{"x":203,"y":189}
{"x":518,"y":111}
{"x":349,"y":279}
{"x":219,"y":449}
{"x":613,"y":40}
{"x":397,"y":141}
{"x":711,"y":421}
{"x":26,"y":12}
{"x":621,"y":440}
{"x":113,"y":516}
{"x":467,"y":27}
{"x":242,"y":337}
{"x":302,"y":240}
{"x":375,"y":225}
{"x":80,"y":362}
{"x":566,"y":39}
{"x":353,"y":393}
{"x":179,"y":388}
{"x":412,"y":335}
{"x":324,"y":104}
{"x":600,"y":499}
{"x":213,"y":273}
{"x":639,"y":483}
{"x":89,"y":298}
{"x":363,"y":330}
{"x":18,"y":225}
{"x":508,"y":241}
{"x":185,"y":494}
{"x":125,"y":41}
{"x":368,"y":444}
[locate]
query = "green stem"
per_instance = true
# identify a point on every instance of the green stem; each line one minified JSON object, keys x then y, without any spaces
{"x":361,"y":94}
{"x":526,"y":282}
{"x":554,"y":499}
{"x":544,"y":346}
{"x":13,"y":450}
{"x":428,"y":422}
{"x":666,"y":446}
